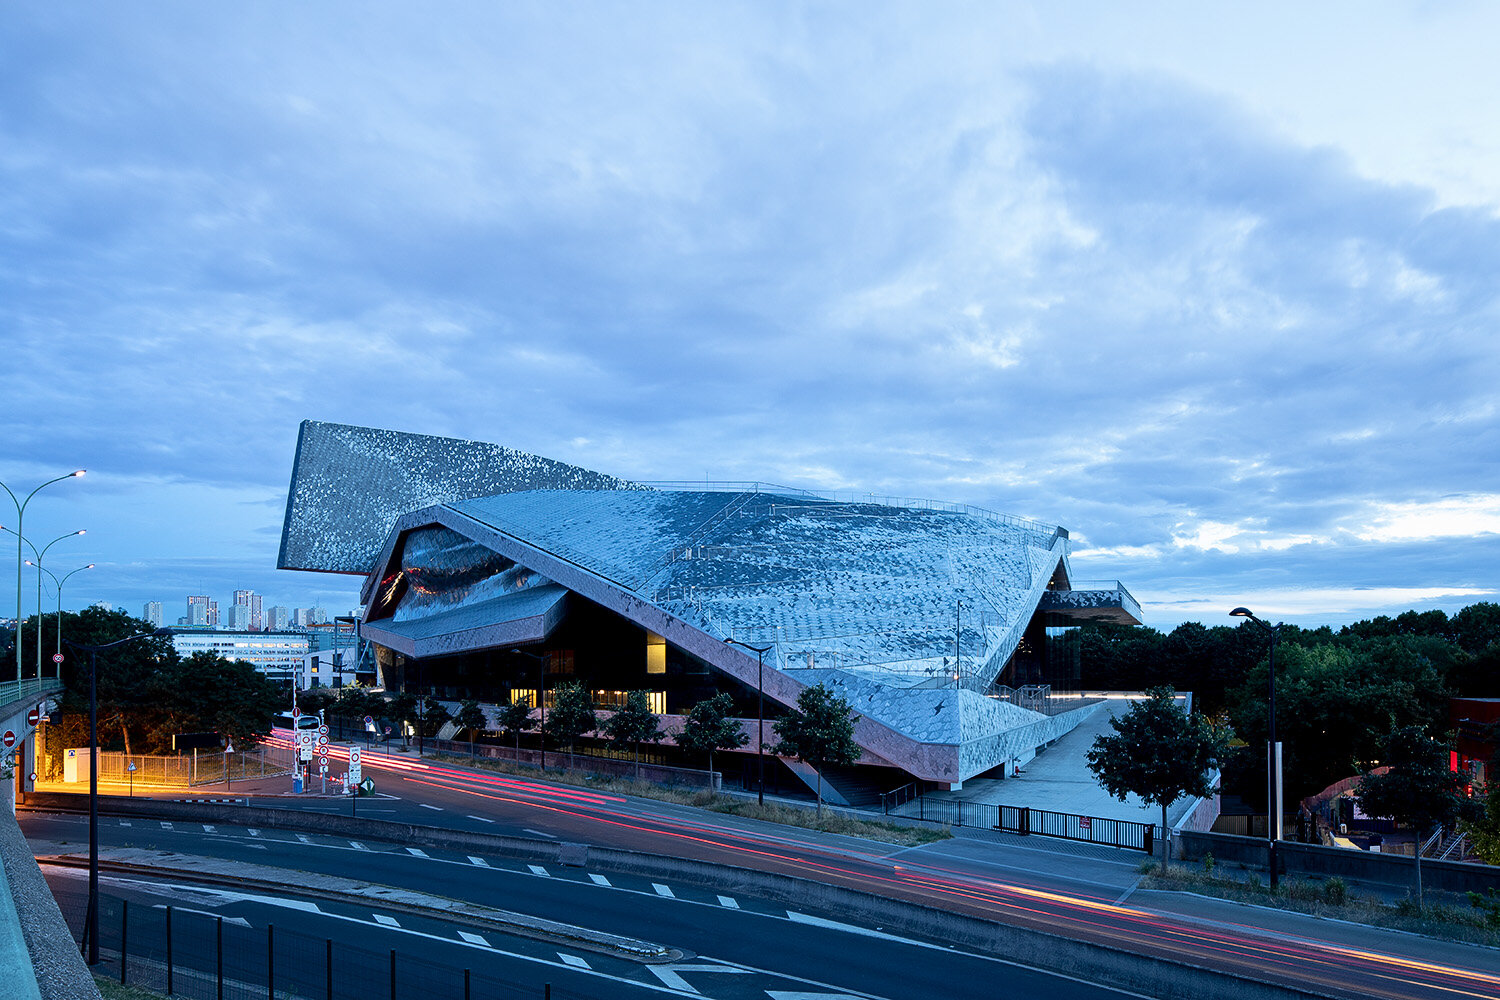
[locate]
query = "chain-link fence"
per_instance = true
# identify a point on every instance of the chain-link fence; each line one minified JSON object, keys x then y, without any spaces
{"x":197,"y":768}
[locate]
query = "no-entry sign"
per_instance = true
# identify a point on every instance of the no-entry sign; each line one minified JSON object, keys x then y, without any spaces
{"x":9,"y":740}
{"x":32,"y":717}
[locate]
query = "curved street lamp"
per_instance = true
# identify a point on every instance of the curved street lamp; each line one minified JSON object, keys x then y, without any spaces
{"x":91,"y":930}
{"x":760,"y":716}
{"x":59,"y":584}
{"x":1273,"y":749}
{"x":39,"y":556}
{"x":20,"y":523}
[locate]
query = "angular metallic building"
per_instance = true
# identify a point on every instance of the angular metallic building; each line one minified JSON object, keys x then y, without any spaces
{"x":935,"y":621}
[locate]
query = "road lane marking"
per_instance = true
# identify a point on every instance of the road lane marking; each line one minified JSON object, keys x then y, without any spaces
{"x":478,"y":862}
{"x":599,"y":880}
{"x":124,"y":822}
{"x":474,"y":938}
{"x":574,"y":961}
{"x":358,"y":846}
{"x":381,"y":918}
{"x":539,"y":870}
{"x":165,"y":825}
{"x":834,"y":925}
{"x":208,"y":828}
{"x":729,"y":901}
{"x":482,"y":819}
{"x":540,"y":833}
{"x":254,"y":832}
{"x":416,"y":852}
{"x":663,"y":890}
{"x":668,"y":974}
{"x":303,"y":837}
{"x":433,"y":808}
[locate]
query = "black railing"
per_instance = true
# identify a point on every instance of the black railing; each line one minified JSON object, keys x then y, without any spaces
{"x":1041,"y":822}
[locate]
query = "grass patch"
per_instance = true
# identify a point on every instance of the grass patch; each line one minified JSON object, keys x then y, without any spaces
{"x":831,"y":822}
{"x":1332,"y":897}
{"x":111,"y":989}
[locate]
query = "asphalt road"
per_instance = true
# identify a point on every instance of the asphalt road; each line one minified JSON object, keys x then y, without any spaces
{"x":735,"y":947}
{"x":1059,"y":887}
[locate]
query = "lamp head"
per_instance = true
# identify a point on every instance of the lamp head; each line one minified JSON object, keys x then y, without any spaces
{"x":30,"y":563}
{"x":89,"y":566}
{"x":77,"y":472}
{"x":81,"y":531}
{"x":1241,"y":613}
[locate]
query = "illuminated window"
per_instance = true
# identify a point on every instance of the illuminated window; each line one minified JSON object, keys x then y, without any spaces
{"x":656,"y":654}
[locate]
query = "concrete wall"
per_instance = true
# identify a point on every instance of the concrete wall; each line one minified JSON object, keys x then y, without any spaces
{"x":1165,"y":979}
{"x":1315,"y":859}
{"x":41,"y":939}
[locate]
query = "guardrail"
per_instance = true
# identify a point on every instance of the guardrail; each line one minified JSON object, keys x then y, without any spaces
{"x":31,"y":687}
{"x":1026,"y":821}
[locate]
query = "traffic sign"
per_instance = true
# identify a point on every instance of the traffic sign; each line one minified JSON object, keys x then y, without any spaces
{"x":354,"y":766}
{"x":56,"y":657}
{"x":369,"y":721}
{"x":323,"y":731}
{"x":9,"y":740}
{"x":388,"y":730}
{"x":130,"y":766}
{"x":32,"y":717}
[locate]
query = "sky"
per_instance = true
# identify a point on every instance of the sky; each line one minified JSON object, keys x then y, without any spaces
{"x":1212,"y":287}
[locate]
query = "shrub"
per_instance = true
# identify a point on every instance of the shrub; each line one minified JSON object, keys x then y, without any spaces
{"x":1336,"y":891}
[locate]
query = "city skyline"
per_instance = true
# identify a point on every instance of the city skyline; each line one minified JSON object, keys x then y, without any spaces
{"x":1226,"y":318}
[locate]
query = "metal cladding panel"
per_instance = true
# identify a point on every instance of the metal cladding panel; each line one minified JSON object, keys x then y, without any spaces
{"x":527,"y":616}
{"x":350,"y":485}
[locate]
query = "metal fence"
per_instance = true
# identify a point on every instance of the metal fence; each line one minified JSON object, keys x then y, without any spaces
{"x":198,"y":955}
{"x":1025,"y":820}
{"x":197,"y":768}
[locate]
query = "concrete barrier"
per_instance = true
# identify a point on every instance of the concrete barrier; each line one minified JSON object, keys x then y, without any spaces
{"x":56,"y":971}
{"x":1156,"y":977}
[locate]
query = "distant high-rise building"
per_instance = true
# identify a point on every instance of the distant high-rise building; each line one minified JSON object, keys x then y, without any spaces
{"x":213,"y":614}
{"x":152,"y":613}
{"x":251,"y":600}
{"x":302,"y":617}
{"x":319,"y":616}
{"x":278,"y":618}
{"x":239,"y":617}
{"x":197,"y":610}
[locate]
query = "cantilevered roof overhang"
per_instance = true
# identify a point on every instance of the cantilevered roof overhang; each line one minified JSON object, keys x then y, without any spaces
{"x":523,"y":617}
{"x":1092,"y":603}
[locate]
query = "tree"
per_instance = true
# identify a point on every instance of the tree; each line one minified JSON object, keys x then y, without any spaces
{"x":819,"y":732}
{"x":709,"y":727}
{"x":572,"y":713}
{"x":633,"y":724}
{"x":403,"y":708}
{"x":125,"y":672}
{"x":515,"y":719}
{"x":1417,"y":789}
{"x":1158,"y":752}
{"x":433,"y":714}
{"x":208,"y":693}
{"x":471,"y":717}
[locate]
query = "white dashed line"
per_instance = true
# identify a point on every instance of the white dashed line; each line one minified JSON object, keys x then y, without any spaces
{"x":124,"y":822}
{"x":599,"y":880}
{"x":482,"y":819}
{"x":478,"y":862}
{"x":539,"y":870}
{"x":474,"y":938}
{"x":165,"y":825}
{"x":416,"y":852}
{"x":574,"y":961}
{"x":540,"y":833}
{"x":729,"y":901}
{"x":662,"y":890}
{"x":358,"y":846}
{"x":433,"y":808}
{"x":254,"y":832}
{"x":303,"y":837}
{"x":207,"y":828}
{"x":381,"y":918}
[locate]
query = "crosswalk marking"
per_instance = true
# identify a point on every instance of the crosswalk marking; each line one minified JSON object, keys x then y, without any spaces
{"x":416,"y":852}
{"x":381,"y":918}
{"x":357,"y":845}
{"x":599,"y":880}
{"x":663,"y":890}
{"x":539,"y":870}
{"x":479,"y":862}
{"x":729,"y":901}
{"x":474,"y":938}
{"x":574,"y":961}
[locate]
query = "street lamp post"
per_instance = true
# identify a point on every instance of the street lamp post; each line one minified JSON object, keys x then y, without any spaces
{"x":57,"y":669}
{"x":91,"y":928}
{"x":541,"y":702}
{"x":760,"y":717}
{"x":1273,"y":750}
{"x":20,"y":524}
{"x":39,"y":556}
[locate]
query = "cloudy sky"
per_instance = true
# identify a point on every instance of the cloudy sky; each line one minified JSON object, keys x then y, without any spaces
{"x":1213,"y":289}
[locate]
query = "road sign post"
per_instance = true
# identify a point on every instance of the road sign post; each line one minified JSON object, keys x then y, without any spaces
{"x":130,"y":768}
